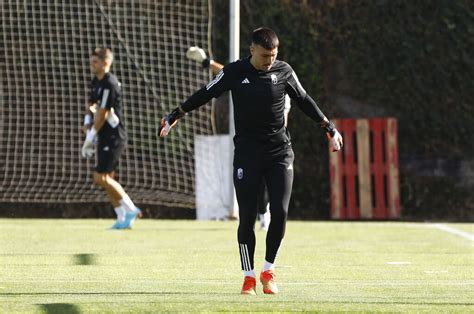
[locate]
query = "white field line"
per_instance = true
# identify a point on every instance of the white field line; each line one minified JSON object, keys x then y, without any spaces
{"x":398,"y":263}
{"x":463,"y":234}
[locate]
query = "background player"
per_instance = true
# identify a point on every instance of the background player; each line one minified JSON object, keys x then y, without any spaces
{"x":263,"y":206}
{"x":106,"y":104}
{"x":263,"y":150}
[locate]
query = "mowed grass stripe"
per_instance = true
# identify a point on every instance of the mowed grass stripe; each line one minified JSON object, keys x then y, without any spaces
{"x":194,"y":266}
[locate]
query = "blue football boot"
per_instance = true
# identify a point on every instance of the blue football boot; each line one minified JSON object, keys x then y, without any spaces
{"x":131,"y":216}
{"x":119,"y":225}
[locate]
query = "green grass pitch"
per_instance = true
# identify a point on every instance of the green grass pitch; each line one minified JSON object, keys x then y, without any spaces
{"x":77,"y":266}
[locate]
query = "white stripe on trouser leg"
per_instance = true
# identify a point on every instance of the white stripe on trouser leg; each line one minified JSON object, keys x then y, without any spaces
{"x":245,"y":257}
{"x":248,"y":256}
{"x":242,"y":256}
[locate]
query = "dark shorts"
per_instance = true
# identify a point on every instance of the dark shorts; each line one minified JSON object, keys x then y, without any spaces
{"x":255,"y":168}
{"x":108,"y":153}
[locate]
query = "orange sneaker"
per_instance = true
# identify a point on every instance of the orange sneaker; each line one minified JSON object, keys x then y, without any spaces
{"x":267,"y":278}
{"x":249,"y":286}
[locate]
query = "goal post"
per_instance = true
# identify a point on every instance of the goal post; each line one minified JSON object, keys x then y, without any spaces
{"x":234,"y":54}
{"x":214,"y":155}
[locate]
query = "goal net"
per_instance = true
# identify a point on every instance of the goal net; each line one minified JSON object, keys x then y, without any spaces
{"x":45,"y":75}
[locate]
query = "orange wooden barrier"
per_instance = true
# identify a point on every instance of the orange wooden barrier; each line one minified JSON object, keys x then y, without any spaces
{"x":364,"y":175}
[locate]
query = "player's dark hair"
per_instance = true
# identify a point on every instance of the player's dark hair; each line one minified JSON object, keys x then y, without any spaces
{"x":103,"y":53}
{"x":265,"y":37}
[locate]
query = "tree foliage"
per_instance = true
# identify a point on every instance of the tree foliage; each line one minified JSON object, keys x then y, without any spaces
{"x":363,"y":58}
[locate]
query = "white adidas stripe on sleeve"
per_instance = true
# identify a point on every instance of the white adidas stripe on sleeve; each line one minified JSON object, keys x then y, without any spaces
{"x":298,"y":82}
{"x":105,"y":95}
{"x":215,"y":80}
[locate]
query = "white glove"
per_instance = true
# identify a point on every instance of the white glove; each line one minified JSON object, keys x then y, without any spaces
{"x":112,"y":119}
{"x":336,"y":141}
{"x":165,"y":126}
{"x":88,"y":148}
{"x":93,"y":108}
{"x":196,"y":54}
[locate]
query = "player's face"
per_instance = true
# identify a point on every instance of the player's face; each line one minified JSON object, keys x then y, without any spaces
{"x":263,"y":59}
{"x":97,"y":65}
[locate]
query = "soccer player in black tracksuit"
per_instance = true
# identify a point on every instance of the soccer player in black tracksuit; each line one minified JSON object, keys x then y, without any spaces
{"x":199,"y":55}
{"x":105,"y":102}
{"x":263,"y":150}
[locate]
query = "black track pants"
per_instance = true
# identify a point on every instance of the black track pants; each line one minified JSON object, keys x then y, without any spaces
{"x":262,"y":198}
{"x":252,"y":164}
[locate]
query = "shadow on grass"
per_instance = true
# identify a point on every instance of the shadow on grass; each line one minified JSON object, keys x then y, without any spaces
{"x":84,"y":259}
{"x":59,"y":308}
